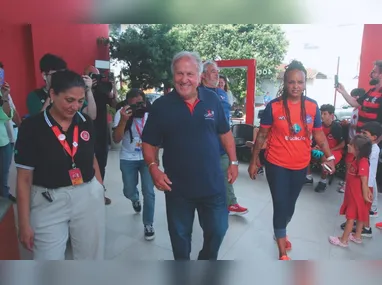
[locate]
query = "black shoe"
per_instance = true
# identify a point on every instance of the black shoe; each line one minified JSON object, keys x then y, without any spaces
{"x":137,"y":206}
{"x":260,"y":170}
{"x":149,"y":232}
{"x":344,"y":224}
{"x":367,"y":232}
{"x":308,"y":181}
{"x":12,"y":198}
{"x":321,"y":187}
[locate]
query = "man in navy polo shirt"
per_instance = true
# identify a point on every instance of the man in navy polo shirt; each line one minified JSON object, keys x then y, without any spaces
{"x":210,"y":80}
{"x":189,"y":123}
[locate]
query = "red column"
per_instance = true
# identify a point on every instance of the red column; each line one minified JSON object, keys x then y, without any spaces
{"x":371,"y":51}
{"x":251,"y":83}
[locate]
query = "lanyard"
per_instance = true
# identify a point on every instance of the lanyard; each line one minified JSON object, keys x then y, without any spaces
{"x":62,"y":139}
{"x":139,"y":131}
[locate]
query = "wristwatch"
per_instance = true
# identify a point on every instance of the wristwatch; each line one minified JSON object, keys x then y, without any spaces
{"x":330,"y":158}
{"x":234,"y":162}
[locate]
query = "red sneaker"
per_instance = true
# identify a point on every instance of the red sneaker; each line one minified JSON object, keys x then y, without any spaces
{"x":285,"y":257}
{"x":379,"y":225}
{"x":237,"y":210}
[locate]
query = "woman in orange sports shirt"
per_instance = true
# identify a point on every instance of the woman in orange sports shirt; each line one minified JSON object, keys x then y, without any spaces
{"x":288,"y":124}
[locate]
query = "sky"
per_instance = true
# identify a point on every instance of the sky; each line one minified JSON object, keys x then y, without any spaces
{"x":318,"y":46}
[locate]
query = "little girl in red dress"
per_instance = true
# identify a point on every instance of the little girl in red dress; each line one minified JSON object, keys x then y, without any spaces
{"x":357,"y":196}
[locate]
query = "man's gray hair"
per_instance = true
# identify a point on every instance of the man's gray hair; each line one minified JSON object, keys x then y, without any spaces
{"x":189,"y":54}
{"x":207,"y":63}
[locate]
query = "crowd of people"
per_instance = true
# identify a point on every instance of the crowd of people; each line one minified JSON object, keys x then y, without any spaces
{"x":61,"y":154}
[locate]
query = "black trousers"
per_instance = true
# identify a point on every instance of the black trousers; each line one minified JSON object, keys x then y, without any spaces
{"x":101,"y":152}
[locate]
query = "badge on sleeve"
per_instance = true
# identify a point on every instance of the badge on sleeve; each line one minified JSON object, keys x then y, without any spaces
{"x":76,"y":176}
{"x":85,"y":135}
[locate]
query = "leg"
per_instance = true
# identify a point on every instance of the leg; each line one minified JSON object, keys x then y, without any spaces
{"x":129,"y":169}
{"x":148,"y":194}
{"x":296,"y":180}
{"x":49,"y":221}
{"x":2,"y":192}
{"x":180,"y":219}
{"x":87,"y":223}
{"x":213,"y":217}
{"x":224,"y":164}
{"x":278,"y":180}
{"x":374,"y":206}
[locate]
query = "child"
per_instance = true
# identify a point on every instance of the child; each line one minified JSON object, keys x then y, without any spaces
{"x":352,"y":125}
{"x":372,"y":130}
{"x":357,"y":193}
{"x":251,"y":144}
{"x":334,"y":135}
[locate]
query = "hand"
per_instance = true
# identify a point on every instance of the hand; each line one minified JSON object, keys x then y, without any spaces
{"x":160,"y":179}
{"x":126,"y":116}
{"x":316,"y":147}
{"x":26,"y":237}
{"x":5,"y":90}
{"x":88,"y":81}
{"x":94,"y":82}
{"x":232,"y":173}
{"x":368,"y":197}
{"x":252,"y":168}
{"x":341,"y":89}
{"x":249,"y":144}
{"x":48,"y":101}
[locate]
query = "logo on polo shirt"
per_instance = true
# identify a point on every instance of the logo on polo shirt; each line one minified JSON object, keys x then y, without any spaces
{"x":289,"y":138}
{"x":85,"y":135}
{"x":209,"y":115}
{"x":309,"y":119}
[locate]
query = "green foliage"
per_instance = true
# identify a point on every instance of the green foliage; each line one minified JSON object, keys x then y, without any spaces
{"x":147,"y":50}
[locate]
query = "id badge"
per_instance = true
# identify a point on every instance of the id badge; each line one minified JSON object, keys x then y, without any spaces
{"x":138,"y":146}
{"x":76,"y":176}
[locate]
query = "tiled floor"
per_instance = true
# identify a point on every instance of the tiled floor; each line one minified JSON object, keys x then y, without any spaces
{"x":249,"y":237}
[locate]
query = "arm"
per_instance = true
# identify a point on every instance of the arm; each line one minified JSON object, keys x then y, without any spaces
{"x":16,"y":118}
{"x":97,"y":171}
{"x":351,"y":100}
{"x":150,"y":155}
{"x":341,"y":145}
{"x":322,"y":142}
{"x":120,"y":120}
{"x":260,"y":140}
{"x":229,"y":146}
{"x":91,"y":108}
{"x":367,"y":196}
{"x":373,"y":167}
{"x":23,"y":189}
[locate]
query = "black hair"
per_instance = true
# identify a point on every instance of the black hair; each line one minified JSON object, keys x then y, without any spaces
{"x":226,"y":86}
{"x":51,"y":62}
{"x":132,"y":93}
{"x":1,"y":65}
{"x":378,"y":63}
{"x":66,"y":79}
{"x":363,"y":145}
{"x":283,"y":94}
{"x":327,"y":108}
{"x":358,"y":92}
{"x":374,"y":128}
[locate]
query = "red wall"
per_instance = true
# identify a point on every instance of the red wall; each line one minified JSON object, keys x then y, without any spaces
{"x":370,"y":52}
{"x":23,"y":45}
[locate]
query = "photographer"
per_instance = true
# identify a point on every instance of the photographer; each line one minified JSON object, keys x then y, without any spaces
{"x":129,"y":122}
{"x":105,"y":93}
{"x":38,"y":100}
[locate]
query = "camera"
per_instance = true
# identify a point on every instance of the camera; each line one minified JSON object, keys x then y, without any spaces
{"x":138,"y":109}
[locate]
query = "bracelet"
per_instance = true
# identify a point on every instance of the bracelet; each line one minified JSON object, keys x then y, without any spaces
{"x":330,"y":158}
{"x":151,"y":164}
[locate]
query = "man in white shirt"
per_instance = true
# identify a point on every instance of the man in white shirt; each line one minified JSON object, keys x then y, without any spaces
{"x":129,"y":122}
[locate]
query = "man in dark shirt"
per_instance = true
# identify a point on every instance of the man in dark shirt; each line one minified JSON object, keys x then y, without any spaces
{"x":104,"y":94}
{"x":188,"y":123}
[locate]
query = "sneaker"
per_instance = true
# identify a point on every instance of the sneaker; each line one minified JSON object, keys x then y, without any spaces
{"x":367,"y":232}
{"x":379,"y":225}
{"x":285,"y":257}
{"x":341,"y":183}
{"x":149,"y":232}
{"x":237,"y":210}
{"x":107,"y":201}
{"x":260,"y":171}
{"x":12,"y":198}
{"x":321,"y":187}
{"x":342,"y":188}
{"x":308,"y":181}
{"x":137,"y":206}
{"x":373,"y":214}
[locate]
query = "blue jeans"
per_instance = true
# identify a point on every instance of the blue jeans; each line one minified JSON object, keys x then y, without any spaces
{"x":5,"y":161}
{"x":213,"y":219}
{"x":130,"y":170}
{"x":285,"y":185}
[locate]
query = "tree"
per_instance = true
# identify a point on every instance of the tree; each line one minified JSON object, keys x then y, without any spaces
{"x":147,"y":51}
{"x":265,"y":43}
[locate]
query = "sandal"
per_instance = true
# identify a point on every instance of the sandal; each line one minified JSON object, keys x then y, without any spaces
{"x":354,"y":239}
{"x":337,"y":241}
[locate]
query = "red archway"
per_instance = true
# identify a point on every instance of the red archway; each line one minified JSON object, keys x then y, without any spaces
{"x":250,"y":65}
